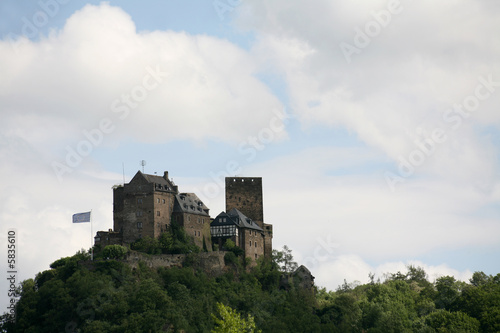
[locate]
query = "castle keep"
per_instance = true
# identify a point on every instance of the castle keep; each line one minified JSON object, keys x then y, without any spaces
{"x":149,"y":204}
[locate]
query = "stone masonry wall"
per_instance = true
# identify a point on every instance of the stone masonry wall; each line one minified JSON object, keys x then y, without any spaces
{"x":210,"y":262}
{"x":245,"y":194}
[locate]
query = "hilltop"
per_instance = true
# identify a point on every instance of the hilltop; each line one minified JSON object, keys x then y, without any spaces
{"x":110,"y":295}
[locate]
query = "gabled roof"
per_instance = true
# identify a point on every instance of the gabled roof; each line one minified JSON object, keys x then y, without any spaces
{"x":189,"y":203}
{"x":234,"y":216}
{"x":161,"y":183}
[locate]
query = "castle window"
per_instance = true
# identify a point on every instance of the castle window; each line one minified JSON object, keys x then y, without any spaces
{"x":202,"y":221}
{"x":157,"y":200}
{"x":157,"y":213}
{"x":138,"y":213}
{"x":255,"y":243}
{"x":163,"y":200}
{"x":256,"y":256}
{"x":189,"y":218}
{"x":139,"y":225}
{"x":195,"y":232}
{"x":139,"y":201}
{"x":250,"y":243}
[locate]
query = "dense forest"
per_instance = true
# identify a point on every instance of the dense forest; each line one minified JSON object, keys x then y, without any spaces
{"x":111,"y":297}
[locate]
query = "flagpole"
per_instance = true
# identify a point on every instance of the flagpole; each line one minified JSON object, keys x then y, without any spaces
{"x":91,"y":245}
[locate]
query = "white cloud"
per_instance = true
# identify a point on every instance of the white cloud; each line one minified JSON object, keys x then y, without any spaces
{"x":393,"y":93}
{"x":354,"y":270}
{"x":355,"y":214}
{"x":179,"y":86}
{"x":420,"y":64}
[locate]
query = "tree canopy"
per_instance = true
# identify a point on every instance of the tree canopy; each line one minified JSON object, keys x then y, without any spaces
{"x":109,"y":296}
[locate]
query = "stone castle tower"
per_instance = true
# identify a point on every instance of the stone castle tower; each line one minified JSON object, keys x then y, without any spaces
{"x":148,"y":205}
{"x":245,"y":194}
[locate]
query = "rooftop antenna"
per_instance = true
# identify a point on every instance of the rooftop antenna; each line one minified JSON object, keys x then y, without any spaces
{"x":123,"y":169}
{"x":143,"y":163}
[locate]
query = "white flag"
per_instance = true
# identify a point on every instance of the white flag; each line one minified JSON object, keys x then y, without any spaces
{"x":81,"y":217}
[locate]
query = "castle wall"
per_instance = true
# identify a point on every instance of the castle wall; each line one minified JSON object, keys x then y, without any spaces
{"x":163,"y":206}
{"x":141,"y":211}
{"x":268,"y":240}
{"x":195,"y":226}
{"x":105,"y":238}
{"x":252,"y":242}
{"x":210,"y":262}
{"x":245,"y":194}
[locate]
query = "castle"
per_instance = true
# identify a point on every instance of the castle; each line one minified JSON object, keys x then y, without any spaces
{"x":149,"y":204}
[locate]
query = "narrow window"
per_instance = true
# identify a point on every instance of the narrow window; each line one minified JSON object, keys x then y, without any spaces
{"x":139,"y":225}
{"x":139,"y":201}
{"x":163,"y":201}
{"x":157,"y":213}
{"x":157,"y":200}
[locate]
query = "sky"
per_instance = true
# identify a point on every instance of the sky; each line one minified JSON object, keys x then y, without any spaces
{"x":374,"y":124}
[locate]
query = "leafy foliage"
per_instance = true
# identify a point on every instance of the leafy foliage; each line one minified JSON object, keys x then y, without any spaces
{"x":114,"y":252}
{"x":284,"y":259}
{"x":174,"y":241}
{"x":231,"y":321}
{"x":112,"y":297}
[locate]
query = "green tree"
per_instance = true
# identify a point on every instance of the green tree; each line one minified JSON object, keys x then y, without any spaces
{"x":230,"y":321}
{"x":114,"y":251}
{"x":479,"y":279}
{"x":147,"y":244}
{"x":445,"y":321}
{"x":448,"y":291}
{"x":176,"y":241}
{"x":231,"y":246}
{"x":284,"y":260}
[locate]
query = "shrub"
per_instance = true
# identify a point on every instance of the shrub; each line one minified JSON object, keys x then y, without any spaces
{"x":114,"y":252}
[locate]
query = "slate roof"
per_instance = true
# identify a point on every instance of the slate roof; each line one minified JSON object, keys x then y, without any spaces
{"x":189,"y":203}
{"x":234,"y":216}
{"x":160,"y":182}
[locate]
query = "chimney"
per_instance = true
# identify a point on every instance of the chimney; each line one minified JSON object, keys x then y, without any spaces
{"x":165,"y":175}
